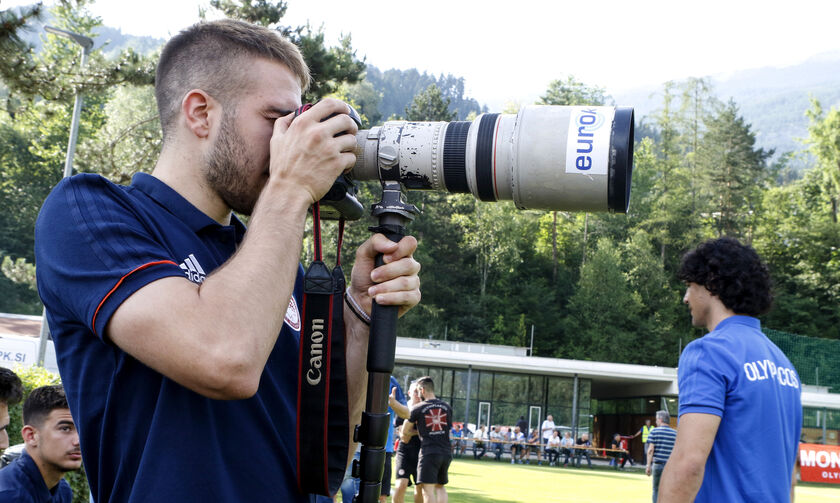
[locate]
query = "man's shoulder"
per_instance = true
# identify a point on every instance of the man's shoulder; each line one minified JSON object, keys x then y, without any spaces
{"x":88,"y":184}
{"x":708,"y":351}
{"x":14,"y":485}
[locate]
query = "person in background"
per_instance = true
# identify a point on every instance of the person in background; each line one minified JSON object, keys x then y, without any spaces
{"x":644,"y":431}
{"x":553,"y":449}
{"x":533,"y":444}
{"x":517,"y":445}
{"x":618,"y":454}
{"x":456,"y":436}
{"x":479,"y":442}
{"x":432,"y":420}
{"x":660,"y":445}
{"x":567,"y":446}
{"x":406,"y":452}
{"x":52,"y":449}
{"x":740,"y":412}
{"x":547,"y":430}
{"x":398,"y":396}
{"x":523,"y":425}
{"x":496,"y":442}
{"x":11,"y":391}
{"x":582,"y":447}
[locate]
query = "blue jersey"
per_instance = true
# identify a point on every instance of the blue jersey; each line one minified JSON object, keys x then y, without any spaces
{"x":22,"y":481}
{"x":735,"y":372}
{"x":400,"y":396}
{"x":143,"y":436}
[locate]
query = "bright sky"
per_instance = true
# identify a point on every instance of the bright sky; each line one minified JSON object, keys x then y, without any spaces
{"x":510,"y":51}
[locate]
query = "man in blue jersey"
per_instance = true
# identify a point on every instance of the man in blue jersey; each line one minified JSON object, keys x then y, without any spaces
{"x":174,"y":327}
{"x":397,"y":396}
{"x":659,"y":446}
{"x":740,"y":412}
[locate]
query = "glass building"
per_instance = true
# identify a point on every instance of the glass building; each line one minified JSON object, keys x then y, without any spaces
{"x":495,"y":385}
{"x":491,"y":397}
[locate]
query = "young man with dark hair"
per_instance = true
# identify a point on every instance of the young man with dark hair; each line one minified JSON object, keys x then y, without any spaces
{"x":432,"y":420}
{"x":52,"y":449}
{"x":733,"y":383}
{"x":11,"y":391}
{"x":173,"y":326}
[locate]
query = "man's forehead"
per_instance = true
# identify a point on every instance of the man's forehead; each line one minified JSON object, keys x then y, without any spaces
{"x":59,"y":415}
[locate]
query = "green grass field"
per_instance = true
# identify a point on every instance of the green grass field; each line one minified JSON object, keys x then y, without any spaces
{"x":491,"y":482}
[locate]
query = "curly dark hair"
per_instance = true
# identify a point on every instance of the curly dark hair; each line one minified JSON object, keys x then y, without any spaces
{"x":41,"y":401}
{"x":731,"y":271}
{"x":11,"y":389}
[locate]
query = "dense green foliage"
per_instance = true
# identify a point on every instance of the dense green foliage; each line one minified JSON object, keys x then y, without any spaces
{"x":398,"y":88}
{"x":593,"y":286}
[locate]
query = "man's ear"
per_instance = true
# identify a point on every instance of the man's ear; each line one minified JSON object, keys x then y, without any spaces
{"x":199,"y":110}
{"x":30,"y":435}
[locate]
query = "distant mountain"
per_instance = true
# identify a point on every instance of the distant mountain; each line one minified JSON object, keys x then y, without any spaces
{"x":773,"y":100}
{"x":111,"y":40}
{"x":115,"y":41}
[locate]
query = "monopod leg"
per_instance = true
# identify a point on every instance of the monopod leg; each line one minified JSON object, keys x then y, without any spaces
{"x":393,"y":215}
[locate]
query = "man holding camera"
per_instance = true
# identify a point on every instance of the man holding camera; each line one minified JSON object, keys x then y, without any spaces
{"x":740,"y":411}
{"x":173,"y":326}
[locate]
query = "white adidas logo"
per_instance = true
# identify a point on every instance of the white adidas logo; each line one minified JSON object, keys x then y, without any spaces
{"x":193,"y":269}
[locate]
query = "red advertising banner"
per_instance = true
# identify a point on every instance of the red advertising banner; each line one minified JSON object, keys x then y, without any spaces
{"x":819,"y":463}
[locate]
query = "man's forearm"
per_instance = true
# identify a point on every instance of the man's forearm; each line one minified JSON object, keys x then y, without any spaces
{"x":680,"y":482}
{"x":215,"y":338}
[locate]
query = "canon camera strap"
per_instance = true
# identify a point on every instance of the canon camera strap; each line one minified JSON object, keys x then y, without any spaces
{"x":322,"y":422}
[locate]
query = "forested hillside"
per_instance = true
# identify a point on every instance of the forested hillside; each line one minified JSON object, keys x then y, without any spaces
{"x":773,"y":100}
{"x":592,"y":286}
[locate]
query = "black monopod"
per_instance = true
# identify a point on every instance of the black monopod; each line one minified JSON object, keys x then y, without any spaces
{"x":393,"y":214}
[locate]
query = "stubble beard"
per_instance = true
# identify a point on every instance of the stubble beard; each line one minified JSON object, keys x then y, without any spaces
{"x":225,"y":169}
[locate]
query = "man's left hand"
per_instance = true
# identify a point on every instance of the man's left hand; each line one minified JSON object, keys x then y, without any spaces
{"x":395,"y":283}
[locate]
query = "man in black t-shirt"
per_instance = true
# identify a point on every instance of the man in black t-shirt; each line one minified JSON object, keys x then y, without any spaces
{"x":432,"y":419}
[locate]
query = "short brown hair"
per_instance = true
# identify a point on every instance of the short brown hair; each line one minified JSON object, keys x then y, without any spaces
{"x":41,"y":401}
{"x":426,"y":383}
{"x":11,"y":389}
{"x":213,"y":56}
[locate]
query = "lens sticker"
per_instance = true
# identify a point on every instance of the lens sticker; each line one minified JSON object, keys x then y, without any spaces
{"x":588,"y":141}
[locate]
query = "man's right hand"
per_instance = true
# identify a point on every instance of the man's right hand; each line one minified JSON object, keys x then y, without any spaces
{"x":308,"y":152}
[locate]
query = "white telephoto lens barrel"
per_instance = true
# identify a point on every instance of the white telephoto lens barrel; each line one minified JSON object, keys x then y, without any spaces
{"x":545,"y":157}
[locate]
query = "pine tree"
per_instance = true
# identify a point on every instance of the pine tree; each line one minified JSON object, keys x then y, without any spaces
{"x":732,"y":171}
{"x":430,"y":105}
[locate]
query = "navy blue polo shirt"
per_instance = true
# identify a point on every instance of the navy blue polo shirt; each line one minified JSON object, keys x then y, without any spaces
{"x":143,"y":436}
{"x":22,"y":481}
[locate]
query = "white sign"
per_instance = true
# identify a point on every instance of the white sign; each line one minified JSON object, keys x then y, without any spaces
{"x":23,"y":351}
{"x":588,"y":140}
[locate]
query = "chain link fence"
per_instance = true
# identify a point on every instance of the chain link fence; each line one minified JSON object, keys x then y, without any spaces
{"x":816,"y":360}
